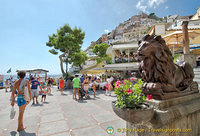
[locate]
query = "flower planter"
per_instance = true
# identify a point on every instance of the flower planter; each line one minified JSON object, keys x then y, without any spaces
{"x":135,"y":116}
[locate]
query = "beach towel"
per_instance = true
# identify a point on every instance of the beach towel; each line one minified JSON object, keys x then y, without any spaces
{"x":24,"y":89}
{"x":22,"y":85}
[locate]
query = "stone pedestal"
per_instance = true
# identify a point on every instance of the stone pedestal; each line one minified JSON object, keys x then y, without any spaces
{"x":189,"y":58}
{"x":174,"y":117}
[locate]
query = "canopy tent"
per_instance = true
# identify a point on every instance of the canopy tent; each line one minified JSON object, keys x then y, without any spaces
{"x":35,"y":71}
{"x":125,"y":46}
{"x":122,"y":66}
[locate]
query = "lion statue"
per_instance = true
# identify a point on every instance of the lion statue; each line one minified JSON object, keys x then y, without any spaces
{"x":163,"y":79}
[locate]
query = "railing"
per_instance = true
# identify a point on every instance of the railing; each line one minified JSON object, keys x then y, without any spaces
{"x":125,"y":60}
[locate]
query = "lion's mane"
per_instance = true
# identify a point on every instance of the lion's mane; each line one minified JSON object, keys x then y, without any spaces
{"x":156,"y":65}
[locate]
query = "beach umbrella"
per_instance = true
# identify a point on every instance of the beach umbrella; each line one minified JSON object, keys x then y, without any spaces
{"x":176,"y":38}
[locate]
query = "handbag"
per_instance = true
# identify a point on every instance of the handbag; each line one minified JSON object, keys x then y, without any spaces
{"x":26,"y":94}
{"x":12,"y":112}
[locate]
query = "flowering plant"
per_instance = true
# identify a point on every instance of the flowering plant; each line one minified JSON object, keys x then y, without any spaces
{"x":129,"y":95}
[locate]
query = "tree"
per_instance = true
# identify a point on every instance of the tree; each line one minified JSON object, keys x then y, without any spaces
{"x":100,"y":51}
{"x":152,"y":16}
{"x":67,"y":40}
{"x":79,"y":58}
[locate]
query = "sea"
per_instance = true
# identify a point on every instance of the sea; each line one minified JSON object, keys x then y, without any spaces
{"x":55,"y":76}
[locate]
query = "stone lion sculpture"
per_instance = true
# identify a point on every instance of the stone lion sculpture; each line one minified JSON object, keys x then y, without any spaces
{"x":163,"y":79}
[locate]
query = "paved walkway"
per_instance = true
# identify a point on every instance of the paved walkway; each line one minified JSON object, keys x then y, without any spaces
{"x":62,"y":116}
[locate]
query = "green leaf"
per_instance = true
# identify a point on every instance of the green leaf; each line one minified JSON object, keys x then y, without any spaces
{"x":53,"y":51}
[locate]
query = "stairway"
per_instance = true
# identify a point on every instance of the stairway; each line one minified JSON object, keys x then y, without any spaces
{"x":197,"y":76}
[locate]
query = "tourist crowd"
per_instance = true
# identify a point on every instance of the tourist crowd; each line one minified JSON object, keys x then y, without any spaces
{"x":26,"y":89}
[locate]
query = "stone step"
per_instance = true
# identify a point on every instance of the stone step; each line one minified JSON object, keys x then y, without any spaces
{"x":196,"y":75}
{"x":196,"y":70}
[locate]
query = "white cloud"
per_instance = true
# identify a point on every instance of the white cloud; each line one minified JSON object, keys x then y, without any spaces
{"x":143,"y":5}
{"x":152,"y":3}
{"x":106,"y":31}
{"x":140,"y":6}
{"x":166,"y":7}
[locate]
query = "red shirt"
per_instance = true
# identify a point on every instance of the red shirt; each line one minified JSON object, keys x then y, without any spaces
{"x":61,"y":83}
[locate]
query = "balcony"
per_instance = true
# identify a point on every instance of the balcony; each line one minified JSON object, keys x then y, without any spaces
{"x":124,"y":53}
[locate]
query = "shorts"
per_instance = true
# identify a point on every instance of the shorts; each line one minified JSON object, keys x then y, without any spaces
{"x":34,"y":92}
{"x":20,"y":100}
{"x":44,"y":96}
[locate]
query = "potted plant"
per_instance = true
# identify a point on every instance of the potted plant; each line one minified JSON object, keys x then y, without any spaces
{"x":130,"y":104}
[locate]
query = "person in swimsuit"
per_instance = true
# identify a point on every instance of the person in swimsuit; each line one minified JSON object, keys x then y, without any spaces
{"x":94,"y":87}
{"x":49,"y":85}
{"x":86,"y":84}
{"x":21,"y":102}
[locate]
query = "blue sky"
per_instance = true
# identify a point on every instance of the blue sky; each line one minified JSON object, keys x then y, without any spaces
{"x":26,"y":24}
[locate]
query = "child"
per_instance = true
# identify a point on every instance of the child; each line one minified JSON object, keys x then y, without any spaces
{"x":44,"y":92}
{"x":61,"y":85}
{"x":107,"y":88}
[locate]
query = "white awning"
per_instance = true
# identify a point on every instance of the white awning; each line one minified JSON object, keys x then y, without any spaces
{"x":122,"y":66}
{"x":35,"y":71}
{"x":125,"y":46}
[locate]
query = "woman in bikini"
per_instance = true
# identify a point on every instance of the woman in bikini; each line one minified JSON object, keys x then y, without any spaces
{"x":21,"y":102}
{"x":86,"y":84}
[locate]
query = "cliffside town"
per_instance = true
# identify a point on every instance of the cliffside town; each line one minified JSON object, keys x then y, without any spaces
{"x":123,"y":39}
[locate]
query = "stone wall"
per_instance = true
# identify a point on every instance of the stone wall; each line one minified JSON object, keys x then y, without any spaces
{"x":173,"y":117}
{"x":189,"y":58}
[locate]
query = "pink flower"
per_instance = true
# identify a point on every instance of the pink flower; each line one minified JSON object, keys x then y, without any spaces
{"x":149,"y":97}
{"x":117,"y":83}
{"x":129,"y":91}
{"x":117,"y":86}
{"x":132,"y":79}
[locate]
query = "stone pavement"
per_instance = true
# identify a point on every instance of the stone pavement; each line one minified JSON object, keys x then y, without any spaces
{"x":60,"y":115}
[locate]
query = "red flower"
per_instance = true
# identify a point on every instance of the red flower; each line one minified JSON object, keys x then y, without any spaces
{"x":132,"y":79}
{"x":149,"y":97}
{"x":117,"y":83}
{"x":129,"y":91}
{"x":117,"y":86}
